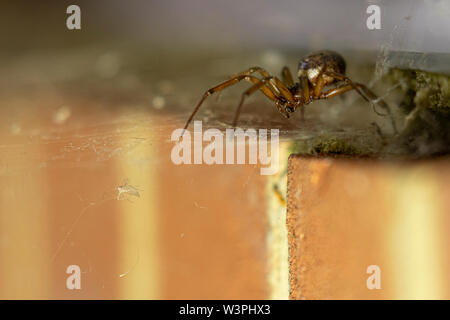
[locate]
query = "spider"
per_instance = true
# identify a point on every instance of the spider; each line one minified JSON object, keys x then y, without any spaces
{"x":315,"y":71}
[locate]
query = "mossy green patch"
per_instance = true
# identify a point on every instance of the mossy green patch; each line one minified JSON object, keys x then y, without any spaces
{"x":424,"y":90}
{"x":327,"y":146}
{"x":335,"y":147}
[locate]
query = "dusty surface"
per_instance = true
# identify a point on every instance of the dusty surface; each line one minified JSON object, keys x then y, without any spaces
{"x":87,"y":179}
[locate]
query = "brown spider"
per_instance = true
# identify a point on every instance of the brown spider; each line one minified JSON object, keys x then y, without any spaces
{"x":315,"y":72}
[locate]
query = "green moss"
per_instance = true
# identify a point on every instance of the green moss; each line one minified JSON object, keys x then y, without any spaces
{"x":326,"y":146}
{"x":426,"y":108}
{"x":335,"y":147}
{"x":424,"y":90}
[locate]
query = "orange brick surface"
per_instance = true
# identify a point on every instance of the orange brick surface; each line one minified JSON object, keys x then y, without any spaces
{"x":345,"y":215}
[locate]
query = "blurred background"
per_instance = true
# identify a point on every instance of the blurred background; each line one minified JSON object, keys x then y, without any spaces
{"x":86,"y":117}
{"x":419,"y":26}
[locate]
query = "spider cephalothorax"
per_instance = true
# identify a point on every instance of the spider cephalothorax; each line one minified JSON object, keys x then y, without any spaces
{"x":315,"y":72}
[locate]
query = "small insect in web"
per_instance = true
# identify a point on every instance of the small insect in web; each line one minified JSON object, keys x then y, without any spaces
{"x":315,"y":72}
{"x":127,"y":189}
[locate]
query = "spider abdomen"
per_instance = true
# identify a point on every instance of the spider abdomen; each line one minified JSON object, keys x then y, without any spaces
{"x":315,"y":64}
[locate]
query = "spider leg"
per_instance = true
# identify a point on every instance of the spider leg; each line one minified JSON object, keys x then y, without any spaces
{"x":364,"y":92}
{"x":344,"y":88}
{"x":276,"y":84}
{"x":336,"y":91}
{"x":304,"y":91}
{"x":318,"y":87}
{"x":259,"y":70}
{"x":257,"y":86}
{"x":282,"y":90}
{"x":358,"y":88}
{"x":220,"y":87}
{"x":286,"y":75}
{"x":249,"y":71}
